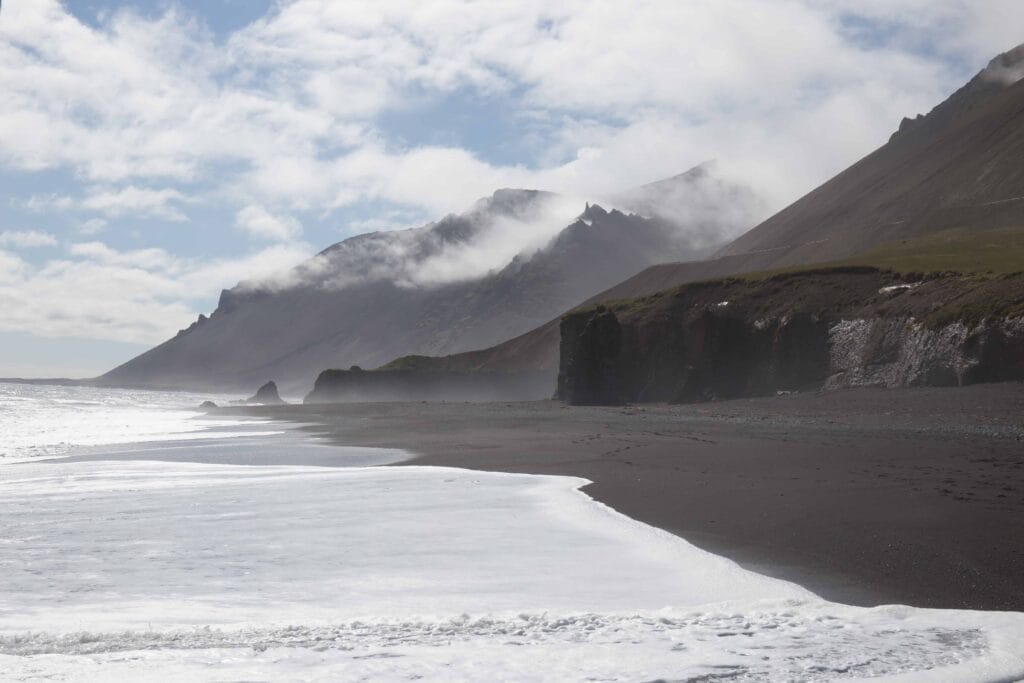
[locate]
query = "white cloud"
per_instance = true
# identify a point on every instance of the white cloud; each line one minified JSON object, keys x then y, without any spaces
{"x":291,"y":101}
{"x":113,"y":202}
{"x":26,"y":239}
{"x":139,"y":296}
{"x":260,"y":223}
{"x":496,"y":245}
{"x":93,"y":226}
{"x":147,"y":259}
{"x":47,"y":202}
{"x":12,"y":267}
{"x":136,"y":201}
{"x":386,"y":221}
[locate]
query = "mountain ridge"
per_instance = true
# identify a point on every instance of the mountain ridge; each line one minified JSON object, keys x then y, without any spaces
{"x":429,"y":290}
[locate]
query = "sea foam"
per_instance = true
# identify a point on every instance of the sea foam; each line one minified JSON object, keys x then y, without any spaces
{"x":181,"y":571}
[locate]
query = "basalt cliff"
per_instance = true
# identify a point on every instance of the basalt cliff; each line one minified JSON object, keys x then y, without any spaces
{"x":816,"y":329}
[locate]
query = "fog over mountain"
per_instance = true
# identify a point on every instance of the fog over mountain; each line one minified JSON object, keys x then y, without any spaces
{"x":467,"y":281}
{"x":950,"y":181}
{"x":710,"y":209}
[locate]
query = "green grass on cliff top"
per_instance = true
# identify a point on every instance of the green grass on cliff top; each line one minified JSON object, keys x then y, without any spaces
{"x":970,"y":252}
{"x":978,"y":252}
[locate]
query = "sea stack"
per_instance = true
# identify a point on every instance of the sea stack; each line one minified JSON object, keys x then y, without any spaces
{"x":266,"y":395}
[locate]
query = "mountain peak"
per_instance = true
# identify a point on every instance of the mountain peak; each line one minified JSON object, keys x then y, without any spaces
{"x":704,"y":169}
{"x":593,"y":211}
{"x":958,"y":168}
{"x":699,"y":201}
{"x":1003,"y":71}
{"x":511,"y":201}
{"x":1007,"y":68}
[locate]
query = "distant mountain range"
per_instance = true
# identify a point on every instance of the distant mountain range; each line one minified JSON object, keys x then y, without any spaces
{"x":513,"y":261}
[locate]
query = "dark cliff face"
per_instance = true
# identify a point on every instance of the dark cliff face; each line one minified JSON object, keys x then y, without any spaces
{"x":736,"y":338}
{"x":714,"y":356}
{"x":589,"y":362}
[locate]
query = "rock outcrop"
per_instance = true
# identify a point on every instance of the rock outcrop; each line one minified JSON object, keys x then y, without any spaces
{"x":904,"y":352}
{"x":357,"y":385}
{"x":824,"y":329}
{"x":266,"y":395}
{"x":588,"y":367}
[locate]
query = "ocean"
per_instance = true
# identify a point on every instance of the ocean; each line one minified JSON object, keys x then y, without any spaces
{"x":141,"y":539}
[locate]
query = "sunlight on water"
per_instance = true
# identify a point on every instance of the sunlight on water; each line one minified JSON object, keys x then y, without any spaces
{"x":46,"y":421}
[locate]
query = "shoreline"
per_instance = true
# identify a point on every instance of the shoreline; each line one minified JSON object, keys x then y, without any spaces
{"x":867,"y":496}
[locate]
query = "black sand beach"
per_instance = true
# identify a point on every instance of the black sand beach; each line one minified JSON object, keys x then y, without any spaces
{"x":867,"y":496}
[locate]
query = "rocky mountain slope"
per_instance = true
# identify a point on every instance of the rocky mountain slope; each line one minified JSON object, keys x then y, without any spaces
{"x":428,"y":290}
{"x":946,"y":192}
{"x":957,"y":167}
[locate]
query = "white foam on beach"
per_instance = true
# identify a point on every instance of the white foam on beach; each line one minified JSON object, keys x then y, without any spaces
{"x":46,"y":421}
{"x":174,"y":571}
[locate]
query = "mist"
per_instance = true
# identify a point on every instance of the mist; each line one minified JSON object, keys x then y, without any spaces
{"x":701,"y":208}
{"x":1007,"y":68}
{"x":704,"y":206}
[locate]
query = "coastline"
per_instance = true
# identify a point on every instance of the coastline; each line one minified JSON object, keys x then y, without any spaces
{"x":915,"y":499}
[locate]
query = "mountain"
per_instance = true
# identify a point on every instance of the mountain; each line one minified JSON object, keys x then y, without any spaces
{"x":710,"y":207}
{"x":946,"y":192}
{"x":467,"y":281}
{"x":958,"y":167}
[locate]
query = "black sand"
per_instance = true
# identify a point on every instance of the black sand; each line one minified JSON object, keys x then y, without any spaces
{"x":863,"y":496}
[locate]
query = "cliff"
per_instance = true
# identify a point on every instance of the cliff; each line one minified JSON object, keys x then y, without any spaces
{"x":816,"y":329}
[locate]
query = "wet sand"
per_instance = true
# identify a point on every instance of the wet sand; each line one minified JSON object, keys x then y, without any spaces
{"x":863,"y":496}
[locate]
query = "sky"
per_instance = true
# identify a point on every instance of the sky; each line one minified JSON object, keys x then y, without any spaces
{"x":155,"y":152}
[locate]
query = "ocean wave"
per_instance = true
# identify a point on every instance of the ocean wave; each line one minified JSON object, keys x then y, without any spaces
{"x":803,"y":643}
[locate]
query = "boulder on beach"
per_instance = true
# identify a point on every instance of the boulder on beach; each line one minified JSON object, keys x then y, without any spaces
{"x":267,"y":395}
{"x":207,"y":404}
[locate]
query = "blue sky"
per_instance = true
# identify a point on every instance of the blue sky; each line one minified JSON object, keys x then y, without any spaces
{"x":223,"y":17}
{"x":155,"y":152}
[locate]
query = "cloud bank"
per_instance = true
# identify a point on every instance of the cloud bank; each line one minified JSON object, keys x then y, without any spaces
{"x":288,"y":123}
{"x":26,"y":239}
{"x":126,"y":296}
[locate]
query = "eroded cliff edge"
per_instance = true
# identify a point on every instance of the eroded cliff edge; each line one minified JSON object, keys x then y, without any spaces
{"x":827,"y":328}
